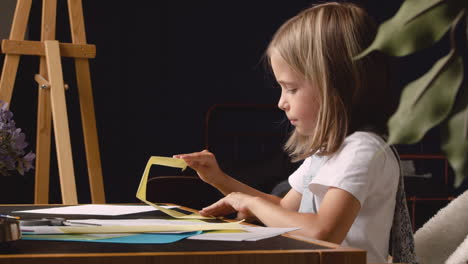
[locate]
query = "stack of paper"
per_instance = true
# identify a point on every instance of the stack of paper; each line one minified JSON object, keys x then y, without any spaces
{"x":118,"y":230}
{"x":130,"y":226}
{"x":147,"y":230}
{"x":139,"y":230}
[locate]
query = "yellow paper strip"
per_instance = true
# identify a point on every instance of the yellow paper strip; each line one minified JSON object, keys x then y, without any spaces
{"x":151,"y":228}
{"x":141,"y":193}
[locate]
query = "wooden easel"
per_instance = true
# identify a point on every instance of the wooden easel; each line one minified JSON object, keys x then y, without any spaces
{"x":51,"y":99}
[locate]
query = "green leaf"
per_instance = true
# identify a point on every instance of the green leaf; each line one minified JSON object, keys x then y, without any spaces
{"x":454,"y":138}
{"x":412,"y":8}
{"x":416,"y":25}
{"x":426,"y":101}
{"x":418,"y":7}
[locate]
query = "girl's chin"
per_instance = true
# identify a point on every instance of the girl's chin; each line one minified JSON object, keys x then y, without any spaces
{"x":302,"y":132}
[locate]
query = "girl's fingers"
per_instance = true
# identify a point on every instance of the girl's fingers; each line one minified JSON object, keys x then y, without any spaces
{"x":203,"y":157}
{"x":211,"y":208}
{"x":203,"y":152}
{"x":219,"y":208}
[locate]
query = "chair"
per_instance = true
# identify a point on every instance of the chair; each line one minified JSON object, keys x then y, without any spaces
{"x":188,"y":191}
{"x":401,"y":246}
{"x":247,"y":141}
{"x":444,"y":238}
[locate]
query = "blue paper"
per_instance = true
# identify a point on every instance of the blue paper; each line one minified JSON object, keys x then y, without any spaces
{"x":150,"y":238}
{"x":146,"y":238}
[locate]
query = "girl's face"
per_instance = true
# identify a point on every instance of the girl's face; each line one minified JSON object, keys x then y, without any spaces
{"x":299,"y":98}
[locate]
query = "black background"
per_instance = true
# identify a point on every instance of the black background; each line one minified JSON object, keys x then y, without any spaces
{"x":160,"y":65}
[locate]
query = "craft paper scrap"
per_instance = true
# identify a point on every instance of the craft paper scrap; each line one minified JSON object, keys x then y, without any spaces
{"x":95,"y":209}
{"x":141,"y":193}
{"x":130,"y":229}
{"x":136,"y":222}
{"x":73,"y":237}
{"x":148,"y":238}
{"x":250,"y":234}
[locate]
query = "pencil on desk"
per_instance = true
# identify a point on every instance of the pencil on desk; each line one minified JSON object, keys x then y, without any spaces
{"x":10,"y":216}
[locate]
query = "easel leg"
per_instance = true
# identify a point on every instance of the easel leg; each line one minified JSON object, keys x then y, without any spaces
{"x":61,"y":128}
{"x":44,"y":112}
{"x":75,"y":10}
{"x":90,"y":131}
{"x":43,"y":136}
{"x":10,"y":66}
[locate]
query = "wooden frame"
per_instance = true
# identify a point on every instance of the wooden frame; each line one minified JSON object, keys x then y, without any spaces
{"x":28,"y":47}
{"x":51,"y":98}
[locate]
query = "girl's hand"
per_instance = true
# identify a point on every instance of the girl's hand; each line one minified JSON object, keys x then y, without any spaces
{"x":233,"y":202}
{"x":205,"y":164}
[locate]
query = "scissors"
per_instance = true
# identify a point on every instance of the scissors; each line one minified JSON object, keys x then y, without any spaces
{"x":52,"y":221}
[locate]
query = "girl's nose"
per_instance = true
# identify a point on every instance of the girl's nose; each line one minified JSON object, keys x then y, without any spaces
{"x":282,"y":104}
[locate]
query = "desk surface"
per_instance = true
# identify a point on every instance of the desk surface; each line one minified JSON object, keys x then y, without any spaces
{"x":280,"y":249}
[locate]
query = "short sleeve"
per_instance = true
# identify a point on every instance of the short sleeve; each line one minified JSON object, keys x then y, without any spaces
{"x":296,"y":178}
{"x":351,"y":169}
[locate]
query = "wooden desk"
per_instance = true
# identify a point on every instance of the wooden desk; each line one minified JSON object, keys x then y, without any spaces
{"x":280,"y":249}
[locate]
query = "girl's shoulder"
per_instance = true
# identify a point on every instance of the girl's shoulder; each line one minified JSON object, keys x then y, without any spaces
{"x":364,"y":139}
{"x":362,"y":145}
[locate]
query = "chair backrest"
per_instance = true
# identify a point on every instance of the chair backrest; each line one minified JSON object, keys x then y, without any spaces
{"x":188,"y":191}
{"x":401,"y":236}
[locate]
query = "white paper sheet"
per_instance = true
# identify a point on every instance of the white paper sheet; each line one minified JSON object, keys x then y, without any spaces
{"x":252,"y":234}
{"x":95,"y":209}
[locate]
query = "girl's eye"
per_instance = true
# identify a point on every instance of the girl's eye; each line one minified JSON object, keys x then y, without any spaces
{"x":291,"y":91}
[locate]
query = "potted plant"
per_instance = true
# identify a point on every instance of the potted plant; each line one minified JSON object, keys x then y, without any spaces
{"x":437,"y":98}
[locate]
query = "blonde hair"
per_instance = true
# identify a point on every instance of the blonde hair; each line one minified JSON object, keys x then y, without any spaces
{"x":320,"y":43}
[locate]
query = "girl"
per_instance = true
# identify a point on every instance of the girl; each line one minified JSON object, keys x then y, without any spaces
{"x":344,"y":191}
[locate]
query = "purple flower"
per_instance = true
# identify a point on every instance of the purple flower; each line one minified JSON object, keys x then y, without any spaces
{"x":12,"y":145}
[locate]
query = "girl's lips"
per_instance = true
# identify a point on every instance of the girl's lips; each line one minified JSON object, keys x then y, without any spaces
{"x":293,"y":121}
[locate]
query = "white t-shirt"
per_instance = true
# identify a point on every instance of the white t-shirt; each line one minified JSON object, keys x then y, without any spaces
{"x":366,"y":167}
